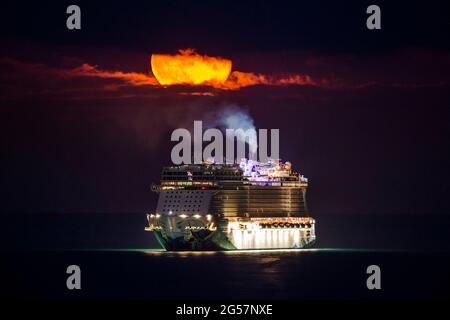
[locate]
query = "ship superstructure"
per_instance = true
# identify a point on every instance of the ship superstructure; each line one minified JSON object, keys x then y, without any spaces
{"x":252,"y":205}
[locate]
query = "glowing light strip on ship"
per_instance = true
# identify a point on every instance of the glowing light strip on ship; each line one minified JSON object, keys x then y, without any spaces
{"x":248,"y":235}
{"x":268,"y":238}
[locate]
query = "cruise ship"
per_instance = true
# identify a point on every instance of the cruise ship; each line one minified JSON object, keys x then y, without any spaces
{"x":250,"y":205}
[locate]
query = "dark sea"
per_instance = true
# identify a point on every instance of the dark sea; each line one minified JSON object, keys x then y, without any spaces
{"x":119,"y":260}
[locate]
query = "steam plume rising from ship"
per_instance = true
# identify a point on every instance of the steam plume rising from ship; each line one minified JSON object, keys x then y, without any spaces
{"x":233,"y":118}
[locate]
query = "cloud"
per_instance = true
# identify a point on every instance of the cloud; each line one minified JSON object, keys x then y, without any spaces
{"x":130,"y":78}
{"x":189,"y":68}
{"x":69,"y":78}
{"x":240,"y":79}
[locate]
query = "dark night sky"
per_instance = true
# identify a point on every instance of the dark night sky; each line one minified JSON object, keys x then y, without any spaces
{"x":376,"y":143}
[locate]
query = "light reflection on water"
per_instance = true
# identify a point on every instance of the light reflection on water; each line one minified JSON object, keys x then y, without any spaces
{"x":163,"y":252}
{"x":249,"y":252}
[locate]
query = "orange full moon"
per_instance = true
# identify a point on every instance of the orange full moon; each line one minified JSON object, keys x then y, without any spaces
{"x":191,"y":68}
